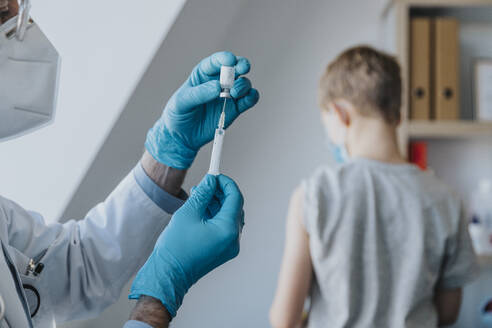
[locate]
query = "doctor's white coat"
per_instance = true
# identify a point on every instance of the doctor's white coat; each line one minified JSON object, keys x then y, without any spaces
{"x":86,"y":263}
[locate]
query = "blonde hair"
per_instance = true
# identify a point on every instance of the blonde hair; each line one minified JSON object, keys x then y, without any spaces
{"x":369,"y":79}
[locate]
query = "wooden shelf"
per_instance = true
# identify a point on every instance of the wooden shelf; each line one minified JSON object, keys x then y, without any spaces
{"x":400,"y":10}
{"x":449,"y":129}
{"x":434,"y":3}
{"x":439,"y":3}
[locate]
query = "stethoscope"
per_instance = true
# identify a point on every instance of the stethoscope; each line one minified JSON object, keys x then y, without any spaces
{"x":33,"y":309}
{"x":2,"y":305}
{"x":23,"y":19}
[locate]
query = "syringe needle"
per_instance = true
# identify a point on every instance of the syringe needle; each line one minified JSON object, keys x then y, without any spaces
{"x":222,"y":115}
{"x":224,"y":107}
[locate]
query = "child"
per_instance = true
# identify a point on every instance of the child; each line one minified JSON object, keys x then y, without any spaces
{"x":375,"y":242}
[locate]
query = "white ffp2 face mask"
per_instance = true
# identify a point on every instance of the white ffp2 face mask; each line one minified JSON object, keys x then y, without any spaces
{"x":29,"y":71}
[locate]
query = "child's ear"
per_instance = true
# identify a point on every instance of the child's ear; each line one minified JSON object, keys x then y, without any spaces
{"x":342,"y":111}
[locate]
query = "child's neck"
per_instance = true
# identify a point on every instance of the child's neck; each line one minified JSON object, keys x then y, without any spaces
{"x":374,"y":139}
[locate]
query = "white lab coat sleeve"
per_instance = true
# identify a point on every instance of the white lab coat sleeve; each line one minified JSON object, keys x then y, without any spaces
{"x":136,"y":324}
{"x":88,"y":262}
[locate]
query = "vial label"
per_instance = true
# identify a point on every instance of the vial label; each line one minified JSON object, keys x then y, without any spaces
{"x":227,"y":75}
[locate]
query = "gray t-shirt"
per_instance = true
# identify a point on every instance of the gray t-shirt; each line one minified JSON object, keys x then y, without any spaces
{"x":382,"y":237}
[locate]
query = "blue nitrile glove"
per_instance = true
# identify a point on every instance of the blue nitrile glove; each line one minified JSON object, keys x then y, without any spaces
{"x":191,"y":116}
{"x":203,"y":234}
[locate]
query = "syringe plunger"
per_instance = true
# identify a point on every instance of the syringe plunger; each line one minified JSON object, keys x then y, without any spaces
{"x":216,"y":152}
{"x":227,"y":76}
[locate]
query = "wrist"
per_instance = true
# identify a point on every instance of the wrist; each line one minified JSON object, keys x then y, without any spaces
{"x":167,"y":178}
{"x":151,"y":311}
{"x":162,"y":278}
{"x":167,"y":148}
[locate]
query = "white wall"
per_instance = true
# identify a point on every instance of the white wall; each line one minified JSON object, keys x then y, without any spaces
{"x":462,"y":163}
{"x":105,"y":48}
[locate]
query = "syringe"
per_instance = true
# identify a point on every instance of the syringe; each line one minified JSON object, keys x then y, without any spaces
{"x":227,"y":75}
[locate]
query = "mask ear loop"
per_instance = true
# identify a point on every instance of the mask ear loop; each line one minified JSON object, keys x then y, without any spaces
{"x":345,"y":138}
{"x":23,"y":19}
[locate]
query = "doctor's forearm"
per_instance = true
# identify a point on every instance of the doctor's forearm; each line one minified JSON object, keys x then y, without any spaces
{"x":168,"y":178}
{"x":151,"y":311}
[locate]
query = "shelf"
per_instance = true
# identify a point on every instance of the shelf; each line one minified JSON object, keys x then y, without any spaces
{"x":440,"y":3}
{"x":433,"y":3}
{"x":449,"y":129}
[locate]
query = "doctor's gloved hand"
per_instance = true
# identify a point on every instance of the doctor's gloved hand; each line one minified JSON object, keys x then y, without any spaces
{"x":203,"y":234}
{"x":190,"y":117}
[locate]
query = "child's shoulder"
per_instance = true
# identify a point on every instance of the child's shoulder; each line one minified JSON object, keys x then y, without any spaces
{"x":436,"y":191}
{"x":323,"y":174}
{"x":324,"y":179}
{"x":353,"y":176}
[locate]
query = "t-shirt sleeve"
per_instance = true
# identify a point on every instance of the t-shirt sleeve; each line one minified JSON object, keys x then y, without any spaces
{"x":319,"y":192}
{"x":307,"y":206}
{"x":460,"y":263}
{"x":311,"y":204}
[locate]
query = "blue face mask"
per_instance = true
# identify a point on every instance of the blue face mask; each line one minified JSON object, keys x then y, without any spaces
{"x":339,"y":153}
